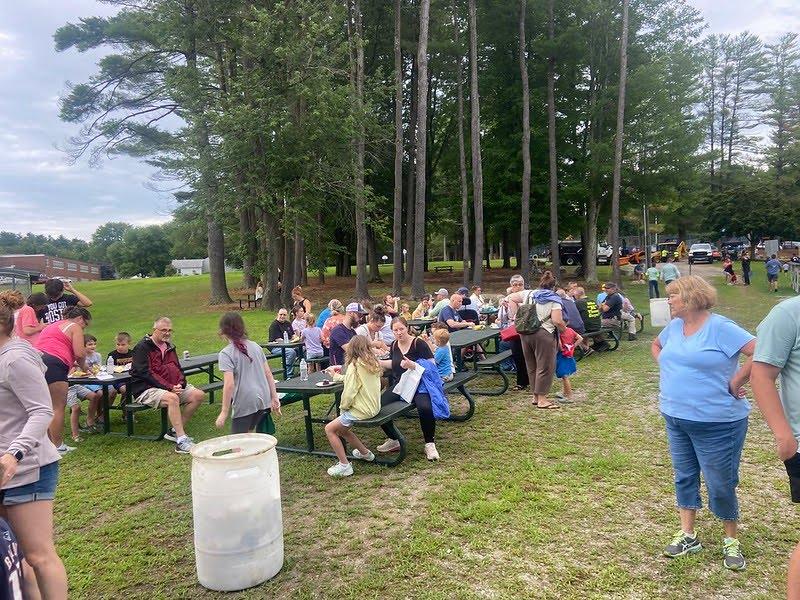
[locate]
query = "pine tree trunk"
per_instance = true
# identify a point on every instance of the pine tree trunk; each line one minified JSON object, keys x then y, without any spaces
{"x":462,"y":160}
{"x":475,"y":135}
{"x":216,"y":262}
{"x":551,"y":141}
{"x":618,"y":141}
{"x":418,"y":275}
{"x":271,"y":245}
{"x":397,"y":225}
{"x":590,"y":241}
{"x":411,"y":189}
{"x":355,"y":29}
{"x":287,"y":274}
{"x":249,"y":245}
{"x":525,"y":212}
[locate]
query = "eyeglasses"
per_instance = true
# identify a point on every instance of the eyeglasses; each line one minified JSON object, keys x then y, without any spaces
{"x":165,"y":330}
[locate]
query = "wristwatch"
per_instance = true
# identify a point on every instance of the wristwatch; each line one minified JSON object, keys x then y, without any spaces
{"x":17,"y":454}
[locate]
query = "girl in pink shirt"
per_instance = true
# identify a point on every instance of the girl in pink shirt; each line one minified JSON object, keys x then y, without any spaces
{"x":26,"y":323}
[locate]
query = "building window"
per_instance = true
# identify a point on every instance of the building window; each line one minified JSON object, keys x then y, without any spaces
{"x":84,"y":268}
{"x":72,"y":267}
{"x":95,"y":271}
{"x":58,"y":264}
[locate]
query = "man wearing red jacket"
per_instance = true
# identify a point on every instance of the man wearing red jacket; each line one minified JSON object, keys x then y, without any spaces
{"x":157,"y":380}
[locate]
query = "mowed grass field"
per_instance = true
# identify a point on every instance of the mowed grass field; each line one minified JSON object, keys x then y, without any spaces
{"x":525,"y":503}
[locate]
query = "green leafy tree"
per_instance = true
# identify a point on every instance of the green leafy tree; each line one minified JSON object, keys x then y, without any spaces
{"x":142,"y":251}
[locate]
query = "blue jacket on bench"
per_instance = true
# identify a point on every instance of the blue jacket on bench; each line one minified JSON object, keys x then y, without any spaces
{"x":431,"y":384}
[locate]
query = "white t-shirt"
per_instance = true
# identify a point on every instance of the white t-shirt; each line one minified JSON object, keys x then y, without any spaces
{"x":476,"y":302}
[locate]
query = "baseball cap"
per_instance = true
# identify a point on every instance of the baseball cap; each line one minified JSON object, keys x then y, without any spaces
{"x":442,"y":292}
{"x":463,"y":291}
{"x":355,"y":307}
{"x":609,"y":285}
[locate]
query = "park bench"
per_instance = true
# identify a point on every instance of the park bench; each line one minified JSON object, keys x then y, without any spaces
{"x":458,"y":384}
{"x":250,"y":299}
{"x":387,"y":416}
{"x":443,"y":269}
{"x":129,"y":409}
{"x":322,"y":361}
{"x":608,"y":337}
{"x":491,"y":365}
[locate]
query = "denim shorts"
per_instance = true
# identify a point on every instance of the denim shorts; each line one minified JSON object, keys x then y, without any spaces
{"x":713,"y":449}
{"x":347,"y":419}
{"x":44,"y":489}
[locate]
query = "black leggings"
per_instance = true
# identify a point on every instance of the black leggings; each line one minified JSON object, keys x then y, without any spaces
{"x":423,"y":403}
{"x":519,"y":362}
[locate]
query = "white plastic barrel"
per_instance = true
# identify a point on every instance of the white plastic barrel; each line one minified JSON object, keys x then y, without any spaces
{"x":659,"y":312}
{"x":236,"y":501}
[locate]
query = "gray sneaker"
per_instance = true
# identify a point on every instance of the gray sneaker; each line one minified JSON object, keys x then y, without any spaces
{"x":171,"y":436}
{"x":184,"y":446}
{"x":734,"y":560}
{"x":63,"y":448}
{"x":682,"y":544}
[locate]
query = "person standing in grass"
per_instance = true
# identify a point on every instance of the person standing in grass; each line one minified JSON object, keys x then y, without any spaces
{"x":248,"y":385}
{"x":29,"y":462}
{"x":702,"y":401}
{"x":653,"y":275}
{"x":746,"y":267}
{"x":773,"y":267}
{"x":777,"y":356}
{"x":669,"y":272}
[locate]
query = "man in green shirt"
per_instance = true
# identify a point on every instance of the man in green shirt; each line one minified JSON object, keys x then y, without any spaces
{"x":777,"y":355}
{"x":442,"y":300}
{"x":669,"y":271}
{"x":653,"y":275}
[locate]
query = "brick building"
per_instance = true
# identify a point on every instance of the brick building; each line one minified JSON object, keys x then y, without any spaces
{"x":53,"y":266}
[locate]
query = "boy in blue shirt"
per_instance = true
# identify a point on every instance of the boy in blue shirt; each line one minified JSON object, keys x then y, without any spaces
{"x":773,"y":269}
{"x":442,"y":354}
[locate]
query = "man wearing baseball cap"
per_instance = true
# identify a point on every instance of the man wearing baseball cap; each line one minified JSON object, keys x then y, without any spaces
{"x":344,"y":332}
{"x":442,"y":300}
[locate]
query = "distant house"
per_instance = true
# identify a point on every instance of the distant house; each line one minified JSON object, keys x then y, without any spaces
{"x":190,"y":266}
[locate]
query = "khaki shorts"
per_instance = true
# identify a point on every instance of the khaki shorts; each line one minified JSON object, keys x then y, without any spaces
{"x":152,"y":397}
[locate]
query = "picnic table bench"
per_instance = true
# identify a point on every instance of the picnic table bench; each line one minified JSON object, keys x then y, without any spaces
{"x":609,"y":338}
{"x":123,"y":378}
{"x":250,"y":299}
{"x":443,"y":269}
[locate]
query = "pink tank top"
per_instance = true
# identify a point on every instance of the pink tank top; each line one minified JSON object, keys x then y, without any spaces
{"x":54,"y":341}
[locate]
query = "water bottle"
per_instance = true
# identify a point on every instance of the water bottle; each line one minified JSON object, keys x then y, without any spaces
{"x":285,"y":338}
{"x":303,"y":370}
{"x":110,"y":366}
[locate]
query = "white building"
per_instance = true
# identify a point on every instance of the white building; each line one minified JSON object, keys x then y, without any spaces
{"x":190,"y":266}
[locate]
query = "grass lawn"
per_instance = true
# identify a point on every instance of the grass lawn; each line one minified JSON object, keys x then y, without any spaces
{"x":525,"y":503}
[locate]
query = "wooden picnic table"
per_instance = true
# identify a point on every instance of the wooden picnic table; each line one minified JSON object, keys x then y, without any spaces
{"x":303,"y":391}
{"x":284,"y":346}
{"x":123,"y":378}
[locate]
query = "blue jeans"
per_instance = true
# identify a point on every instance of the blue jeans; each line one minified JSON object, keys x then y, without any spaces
{"x":653,"y":288}
{"x":291,"y":355}
{"x":713,"y":449}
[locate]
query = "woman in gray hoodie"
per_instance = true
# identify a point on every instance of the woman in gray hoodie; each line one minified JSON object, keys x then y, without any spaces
{"x":29,"y":461}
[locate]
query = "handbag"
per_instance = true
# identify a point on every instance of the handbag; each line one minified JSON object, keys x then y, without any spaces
{"x":527,"y":319}
{"x":406,"y":388}
{"x":509,"y":334}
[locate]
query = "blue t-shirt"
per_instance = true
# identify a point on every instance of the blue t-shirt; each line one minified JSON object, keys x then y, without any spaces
{"x":444,"y":361}
{"x":695,"y":371}
{"x":448,"y":313}
{"x":323,"y":316}
{"x":773,"y":266}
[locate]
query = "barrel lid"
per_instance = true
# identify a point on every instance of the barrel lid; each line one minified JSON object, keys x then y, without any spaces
{"x":234,"y":447}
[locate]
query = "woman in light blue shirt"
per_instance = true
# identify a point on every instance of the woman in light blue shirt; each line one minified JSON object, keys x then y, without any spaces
{"x":703,"y":404}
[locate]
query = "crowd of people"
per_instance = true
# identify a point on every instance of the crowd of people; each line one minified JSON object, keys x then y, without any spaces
{"x":370,"y":349}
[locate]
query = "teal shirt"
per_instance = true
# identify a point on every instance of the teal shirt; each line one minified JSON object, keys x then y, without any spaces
{"x":434,"y":312}
{"x":778,"y":344}
{"x":670,"y":272}
{"x":653,"y":274}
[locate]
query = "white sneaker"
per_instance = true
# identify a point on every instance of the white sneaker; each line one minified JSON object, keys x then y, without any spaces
{"x":63,"y":448}
{"x":430,"y":451}
{"x":340,"y":470}
{"x":389,"y":446}
{"x":184,"y":446}
{"x":369,"y":456}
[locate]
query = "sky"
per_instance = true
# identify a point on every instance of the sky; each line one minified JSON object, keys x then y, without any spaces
{"x":41,"y":192}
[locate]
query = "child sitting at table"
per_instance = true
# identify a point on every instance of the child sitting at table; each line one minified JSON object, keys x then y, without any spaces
{"x":312,"y":341}
{"x":405,"y":311}
{"x":361,"y":399}
{"x":568,"y":340}
{"x":299,"y":322}
{"x":122,"y":357}
{"x":442,"y":354}
{"x":76,"y":393}
{"x":93,"y":363}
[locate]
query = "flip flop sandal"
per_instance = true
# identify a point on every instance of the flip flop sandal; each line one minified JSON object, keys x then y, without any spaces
{"x":519,"y":388}
{"x":551,"y":406}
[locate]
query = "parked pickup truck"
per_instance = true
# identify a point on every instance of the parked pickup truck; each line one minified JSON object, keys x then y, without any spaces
{"x":701,"y":253}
